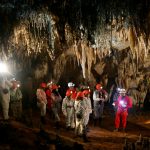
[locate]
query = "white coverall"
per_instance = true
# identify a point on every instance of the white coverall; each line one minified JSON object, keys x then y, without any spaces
{"x":80,"y":116}
{"x":88,"y":109}
{"x":68,"y":111}
{"x":41,"y":101}
{"x":5,"y":84}
{"x":99,"y":97}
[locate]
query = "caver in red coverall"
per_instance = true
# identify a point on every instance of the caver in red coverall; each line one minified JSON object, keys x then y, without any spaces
{"x":123,"y":103}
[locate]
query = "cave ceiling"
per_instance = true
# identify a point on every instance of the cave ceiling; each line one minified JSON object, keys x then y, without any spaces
{"x":81,"y":33}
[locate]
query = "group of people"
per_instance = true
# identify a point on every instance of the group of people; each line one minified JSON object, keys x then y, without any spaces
{"x":48,"y":98}
{"x":77,"y":106}
{"x":11,"y":99}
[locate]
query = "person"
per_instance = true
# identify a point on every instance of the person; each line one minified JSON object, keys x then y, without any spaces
{"x":111,"y":93}
{"x":80,"y":108}
{"x":50,"y":86}
{"x":48,"y":92}
{"x":16,"y":100}
{"x":55,"y":104}
{"x":123,"y":103}
{"x":99,"y":97}
{"x":42,"y":101}
{"x":88,"y":106}
{"x":115,"y":97}
{"x":68,"y":110}
{"x":5,"y":94}
{"x":53,"y":100}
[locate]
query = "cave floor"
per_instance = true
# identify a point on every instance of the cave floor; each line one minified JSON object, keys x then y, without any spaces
{"x":99,"y":137}
{"x":103,"y":137}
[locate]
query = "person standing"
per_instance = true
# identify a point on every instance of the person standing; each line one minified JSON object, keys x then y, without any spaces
{"x":88,"y":106}
{"x":115,"y":98}
{"x":56,"y":99}
{"x":99,"y":97}
{"x":42,"y":101}
{"x":48,"y":95}
{"x":123,"y":103}
{"x":80,"y":111}
{"x":5,"y":93}
{"x":53,"y":99}
{"x":16,"y":100}
{"x":68,"y":110}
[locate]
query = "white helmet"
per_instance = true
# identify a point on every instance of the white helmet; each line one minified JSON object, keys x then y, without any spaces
{"x":70,"y":84}
{"x":122,"y":91}
{"x":118,"y":90}
{"x":49,"y":83}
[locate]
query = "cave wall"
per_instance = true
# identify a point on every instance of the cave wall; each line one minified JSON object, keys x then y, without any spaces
{"x":82,"y":41}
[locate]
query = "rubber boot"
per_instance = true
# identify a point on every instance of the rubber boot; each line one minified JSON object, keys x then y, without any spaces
{"x":100,"y":121}
{"x":43,"y":120}
{"x":87,"y":128}
{"x":57,"y":125}
{"x":116,"y":130}
{"x":85,"y":138}
{"x":95,"y":122}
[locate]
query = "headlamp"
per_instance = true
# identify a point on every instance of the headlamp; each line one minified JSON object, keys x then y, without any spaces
{"x":122,"y":91}
{"x":3,"y":68}
{"x":122,"y":103}
{"x":118,"y":89}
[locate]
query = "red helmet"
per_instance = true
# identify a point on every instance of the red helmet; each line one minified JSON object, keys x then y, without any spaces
{"x":79,"y":95}
{"x":86,"y":92}
{"x":68,"y":93}
{"x":43,"y":85}
{"x":98,"y":86}
{"x":54,"y":87}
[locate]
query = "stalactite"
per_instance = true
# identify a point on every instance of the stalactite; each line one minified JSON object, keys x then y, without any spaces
{"x":142,"y":42}
{"x":75,"y":49}
{"x":83,"y":59}
{"x":132,"y":40}
{"x":35,"y":34}
{"x":90,"y":59}
{"x":33,"y":42}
